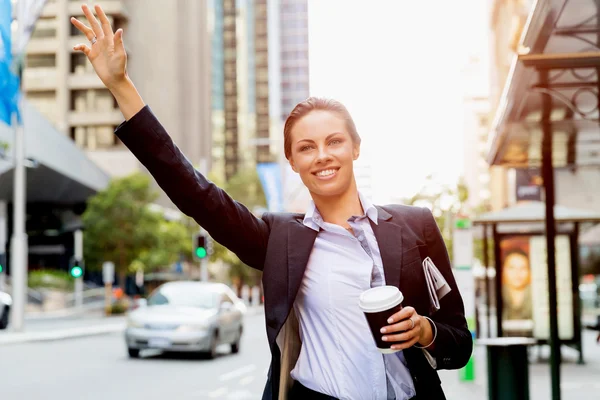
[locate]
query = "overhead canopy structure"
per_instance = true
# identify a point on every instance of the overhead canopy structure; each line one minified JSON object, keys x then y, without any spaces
{"x":553,"y":81}
{"x":534,"y":211}
{"x":63,"y":173}
{"x":549,"y":112}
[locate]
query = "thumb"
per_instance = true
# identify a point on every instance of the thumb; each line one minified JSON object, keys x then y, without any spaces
{"x":119,"y":40}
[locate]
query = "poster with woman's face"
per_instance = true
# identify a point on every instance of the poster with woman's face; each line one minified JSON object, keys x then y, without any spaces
{"x":517,"y":310}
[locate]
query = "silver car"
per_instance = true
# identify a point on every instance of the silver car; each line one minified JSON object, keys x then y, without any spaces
{"x":5,"y":304}
{"x":187,"y":317}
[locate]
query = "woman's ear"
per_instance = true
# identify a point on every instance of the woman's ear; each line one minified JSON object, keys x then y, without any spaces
{"x":356,"y":152}
{"x":291,"y":161}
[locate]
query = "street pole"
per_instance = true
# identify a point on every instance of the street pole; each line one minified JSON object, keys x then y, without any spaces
{"x":18,"y":243}
{"x":79,"y":280}
{"x":548,"y":179}
{"x":3,"y":243}
{"x":204,"y":269}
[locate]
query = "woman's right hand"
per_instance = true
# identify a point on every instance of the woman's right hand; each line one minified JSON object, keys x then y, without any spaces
{"x":107,"y":54}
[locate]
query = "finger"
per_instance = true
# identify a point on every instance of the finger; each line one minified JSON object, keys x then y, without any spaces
{"x":105,"y":23}
{"x":405,"y":345}
{"x":406,"y":335}
{"x":405,"y":313}
{"x":93,"y":21}
{"x":83,"y":48}
{"x":403,"y":325}
{"x":119,"y":40}
{"x":88,"y":32}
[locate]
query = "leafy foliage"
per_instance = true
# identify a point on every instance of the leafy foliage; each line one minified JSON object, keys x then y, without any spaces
{"x":445,"y":203}
{"x":244,"y":187}
{"x":121,"y":227}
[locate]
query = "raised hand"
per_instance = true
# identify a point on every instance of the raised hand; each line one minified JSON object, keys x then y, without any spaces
{"x":106,"y":51}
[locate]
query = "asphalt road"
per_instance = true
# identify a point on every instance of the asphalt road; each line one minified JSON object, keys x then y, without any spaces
{"x":97,"y":367}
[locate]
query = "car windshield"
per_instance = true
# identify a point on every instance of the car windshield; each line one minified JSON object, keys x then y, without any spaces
{"x":184,"y":296}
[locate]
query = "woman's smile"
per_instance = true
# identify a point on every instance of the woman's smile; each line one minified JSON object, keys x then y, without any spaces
{"x":326,"y":174}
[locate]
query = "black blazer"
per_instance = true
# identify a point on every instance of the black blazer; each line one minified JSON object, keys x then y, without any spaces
{"x":279,"y":245}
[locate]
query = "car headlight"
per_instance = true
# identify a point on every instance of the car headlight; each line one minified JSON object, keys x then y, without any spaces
{"x":132,"y":323}
{"x":192,"y":327}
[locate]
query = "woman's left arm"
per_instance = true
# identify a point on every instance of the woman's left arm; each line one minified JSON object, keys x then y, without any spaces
{"x":453,"y":342}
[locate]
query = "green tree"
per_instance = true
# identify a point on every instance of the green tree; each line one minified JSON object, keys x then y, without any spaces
{"x":446,"y":202}
{"x":172,"y":243}
{"x":120,"y":227}
{"x":246,"y":188}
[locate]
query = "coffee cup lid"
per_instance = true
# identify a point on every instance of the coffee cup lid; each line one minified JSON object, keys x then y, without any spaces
{"x":380,"y":298}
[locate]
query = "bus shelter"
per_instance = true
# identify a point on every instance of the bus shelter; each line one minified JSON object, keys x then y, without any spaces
{"x":520,"y":293}
{"x":548,"y":115}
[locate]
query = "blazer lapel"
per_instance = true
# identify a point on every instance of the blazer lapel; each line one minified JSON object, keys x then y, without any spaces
{"x":300,"y":243}
{"x":389,"y":239}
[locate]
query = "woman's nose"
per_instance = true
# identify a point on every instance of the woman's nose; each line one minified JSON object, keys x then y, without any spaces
{"x":323,"y":155}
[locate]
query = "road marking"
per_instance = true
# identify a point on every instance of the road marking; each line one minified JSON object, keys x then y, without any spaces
{"x":571,"y":385}
{"x":218,"y":393}
{"x":236,"y":373}
{"x":246,"y":380}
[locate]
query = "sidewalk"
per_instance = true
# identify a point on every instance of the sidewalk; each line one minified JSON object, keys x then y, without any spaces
{"x":59,"y":327}
{"x":66,"y":324}
{"x":581,"y":382}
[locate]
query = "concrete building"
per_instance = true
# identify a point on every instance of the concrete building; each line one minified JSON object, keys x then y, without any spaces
{"x":294,"y":54}
{"x":168,"y":59}
{"x":260,"y":72}
{"x":476,"y":128}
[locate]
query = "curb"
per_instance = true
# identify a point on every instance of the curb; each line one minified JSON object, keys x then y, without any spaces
{"x":69,"y":333}
{"x":60,"y":334}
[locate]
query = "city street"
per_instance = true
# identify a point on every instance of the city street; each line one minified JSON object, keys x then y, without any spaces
{"x":97,"y":368}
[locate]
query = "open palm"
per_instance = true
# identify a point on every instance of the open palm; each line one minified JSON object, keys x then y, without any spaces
{"x":106,"y":51}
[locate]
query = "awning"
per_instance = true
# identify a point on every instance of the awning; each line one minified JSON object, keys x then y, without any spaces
{"x":559,"y":56}
{"x":534,"y":211}
{"x":64,"y":174}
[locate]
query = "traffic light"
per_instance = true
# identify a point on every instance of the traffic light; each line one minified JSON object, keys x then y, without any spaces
{"x":76,"y":268}
{"x":2,"y":263}
{"x":200,"y":251}
{"x":202,"y":246}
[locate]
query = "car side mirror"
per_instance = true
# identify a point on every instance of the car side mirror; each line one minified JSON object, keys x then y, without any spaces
{"x":226,"y":306}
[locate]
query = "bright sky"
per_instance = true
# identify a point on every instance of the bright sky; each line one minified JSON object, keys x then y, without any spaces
{"x":396,"y":66}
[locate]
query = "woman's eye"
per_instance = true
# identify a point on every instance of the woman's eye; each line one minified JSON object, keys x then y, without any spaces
{"x":335,"y":141}
{"x":304,"y":148}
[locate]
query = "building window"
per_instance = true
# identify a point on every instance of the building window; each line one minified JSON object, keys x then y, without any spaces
{"x":41,"y":60}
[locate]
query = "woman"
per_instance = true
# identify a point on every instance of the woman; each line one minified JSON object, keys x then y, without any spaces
{"x":516,"y":292}
{"x":314,"y":265}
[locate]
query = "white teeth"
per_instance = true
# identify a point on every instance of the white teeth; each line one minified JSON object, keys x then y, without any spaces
{"x":327,"y":172}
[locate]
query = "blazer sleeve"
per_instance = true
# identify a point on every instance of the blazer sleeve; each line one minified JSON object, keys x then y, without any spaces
{"x":228,"y":222}
{"x":453,"y":344}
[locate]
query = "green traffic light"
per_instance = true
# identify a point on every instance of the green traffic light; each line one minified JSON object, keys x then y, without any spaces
{"x":1,"y":268}
{"x":201,"y":252}
{"x":76,"y":272}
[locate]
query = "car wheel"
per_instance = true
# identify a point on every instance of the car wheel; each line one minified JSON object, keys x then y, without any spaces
{"x":212,"y":352}
{"x":235,"y":346}
{"x":133,"y":353}
{"x":4,"y":319}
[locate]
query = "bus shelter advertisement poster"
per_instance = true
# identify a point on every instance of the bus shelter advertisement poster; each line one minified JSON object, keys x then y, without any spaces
{"x":524,"y":283}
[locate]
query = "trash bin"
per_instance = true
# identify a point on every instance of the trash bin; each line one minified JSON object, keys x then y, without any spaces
{"x":508,"y":367}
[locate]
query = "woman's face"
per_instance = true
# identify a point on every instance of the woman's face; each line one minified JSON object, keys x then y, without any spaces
{"x":516,"y":271}
{"x":322,"y":152}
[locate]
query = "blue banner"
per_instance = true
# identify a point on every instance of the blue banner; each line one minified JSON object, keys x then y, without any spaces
{"x":9,"y":82}
{"x":270,"y":178}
